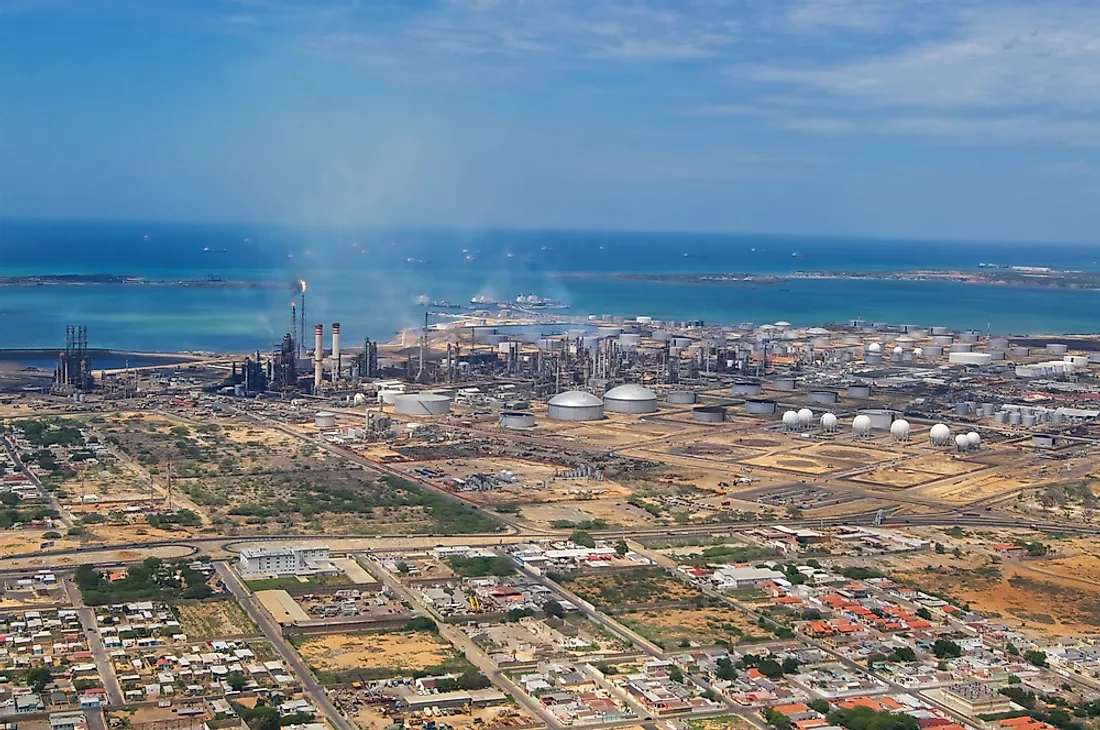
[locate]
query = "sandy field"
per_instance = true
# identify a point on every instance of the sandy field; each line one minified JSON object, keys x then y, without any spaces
{"x":894,"y":478}
{"x":354,"y":571}
{"x":613,"y":511}
{"x":215,"y":619}
{"x":400,"y":651}
{"x":703,"y":627}
{"x":971,"y":489}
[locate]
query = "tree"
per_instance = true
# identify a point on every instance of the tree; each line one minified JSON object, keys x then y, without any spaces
{"x":10,"y":499}
{"x":676,"y":675}
{"x":945,"y":649}
{"x":940,"y":549}
{"x":582,"y":538}
{"x":819,"y":705}
{"x":553,"y":608}
{"x":776,"y":719}
{"x":1036,"y":657}
{"x":263,"y":717}
{"x":903,"y":654}
{"x":1013,"y":679}
{"x":875,"y":658}
{"x":403,"y":568}
{"x":726,"y":669}
{"x":864,"y":718}
{"x":621,"y":547}
{"x":236,"y":681}
{"x":39,"y":678}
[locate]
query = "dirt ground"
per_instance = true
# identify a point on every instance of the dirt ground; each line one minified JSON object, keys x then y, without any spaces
{"x":1051,"y":596}
{"x":215,"y":619}
{"x":400,"y":651}
{"x":372,"y":717}
{"x":614,"y":512}
{"x":628,"y":587}
{"x":704,"y":627}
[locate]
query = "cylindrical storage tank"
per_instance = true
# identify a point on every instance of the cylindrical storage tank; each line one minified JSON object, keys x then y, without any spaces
{"x":1028,"y":420}
{"x":324,"y":419}
{"x":517,"y":420}
{"x":820,"y":342}
{"x":943,"y":340}
{"x":880,"y":419}
{"x":939,"y":331}
{"x":575,"y":405}
{"x":1094,"y":357}
{"x":861,"y":425}
{"x":388,"y":396}
{"x":899,"y":429}
{"x":995,"y":354}
{"x":961,"y":347}
{"x":661,"y":335}
{"x":747,"y":388}
{"x":493,"y":339}
{"x":760,"y":407}
{"x":970,"y":337}
{"x":1000,"y":417}
{"x":643,"y":319}
{"x":988,"y":409}
{"x":828,"y":422}
{"x":939,"y":435}
{"x":1055,"y":348}
{"x":547,"y":343}
{"x":609,"y":331}
{"x":1020,"y":352}
{"x":783,"y":384}
{"x":708,"y":414}
{"x":1014,"y":418}
{"x":859,"y":391}
{"x":421,"y":404}
{"x":1078,"y":361}
{"x":823,"y":396}
{"x":630,"y":398}
{"x":591,"y":342}
{"x":962,"y":408}
{"x":873,"y":359}
{"x":998,"y":343}
{"x":852,"y":340}
{"x":933,"y":350}
{"x":681,"y":342}
{"x":682,"y":397}
{"x":973,"y":439}
{"x":630,"y":340}
{"x":1057,"y":418}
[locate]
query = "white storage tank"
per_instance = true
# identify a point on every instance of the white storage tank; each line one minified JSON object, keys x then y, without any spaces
{"x":575,"y":405}
{"x":828,"y":422}
{"x":805,"y":418}
{"x":939,"y":435}
{"x":422,"y":404}
{"x":1055,"y":348}
{"x":973,"y":439}
{"x":861,"y":426}
{"x":899,"y":429}
{"x":682,"y":397}
{"x":630,"y":398}
{"x":975,"y":359}
{"x":961,"y":442}
{"x":859,"y":391}
{"x":879,"y":419}
{"x":517,"y":420}
{"x":324,"y":419}
{"x":790,"y":421}
{"x":630,"y":340}
{"x":932,"y":350}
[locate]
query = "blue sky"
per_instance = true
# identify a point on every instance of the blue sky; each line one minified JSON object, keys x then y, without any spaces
{"x":969,"y":119}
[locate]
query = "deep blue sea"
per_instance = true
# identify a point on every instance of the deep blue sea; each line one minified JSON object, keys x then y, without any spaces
{"x":370,"y":280}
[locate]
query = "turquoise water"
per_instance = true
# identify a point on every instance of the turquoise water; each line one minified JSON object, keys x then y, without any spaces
{"x":366,"y":281}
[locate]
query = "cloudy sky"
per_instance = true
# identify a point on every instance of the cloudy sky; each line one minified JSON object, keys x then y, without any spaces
{"x":913,"y":118}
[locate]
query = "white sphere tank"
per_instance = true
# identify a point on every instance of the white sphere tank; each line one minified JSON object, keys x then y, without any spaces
{"x":899,"y":350}
{"x":805,"y":418}
{"x":359,"y":399}
{"x":899,"y":429}
{"x":790,"y":420}
{"x":940,"y":435}
{"x":973,"y":439}
{"x":918,"y":352}
{"x":828,"y":422}
{"x":962,"y":443}
{"x":874,"y":347}
{"x":861,"y":425}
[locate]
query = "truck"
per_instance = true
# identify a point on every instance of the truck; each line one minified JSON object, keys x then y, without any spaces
{"x":46,"y":545}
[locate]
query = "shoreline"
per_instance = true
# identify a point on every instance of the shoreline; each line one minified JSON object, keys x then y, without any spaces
{"x":211,"y":282}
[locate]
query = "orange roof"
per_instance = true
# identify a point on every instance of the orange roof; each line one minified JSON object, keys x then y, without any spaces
{"x":788,"y":600}
{"x":791,"y":708}
{"x":1015,"y":721}
{"x":860,"y":702}
{"x":812,"y":723}
{"x":890,"y":703}
{"x":919,"y":624}
{"x":754,"y":673}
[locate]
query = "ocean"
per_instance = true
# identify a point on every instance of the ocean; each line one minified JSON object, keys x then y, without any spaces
{"x":372,"y":280}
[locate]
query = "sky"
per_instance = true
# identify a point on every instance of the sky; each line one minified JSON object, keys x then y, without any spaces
{"x":958,"y":119}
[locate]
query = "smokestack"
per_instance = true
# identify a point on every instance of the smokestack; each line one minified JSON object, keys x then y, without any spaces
{"x":318,"y":354}
{"x":335,"y":351}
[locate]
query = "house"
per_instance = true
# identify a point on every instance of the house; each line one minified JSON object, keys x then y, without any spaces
{"x":68,"y":721}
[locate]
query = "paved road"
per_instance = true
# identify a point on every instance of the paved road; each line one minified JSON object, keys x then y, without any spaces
{"x":54,"y":504}
{"x":462,"y":642}
{"x":274,"y":634}
{"x":95,"y":644}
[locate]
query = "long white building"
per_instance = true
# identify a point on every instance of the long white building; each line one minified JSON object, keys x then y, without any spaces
{"x":285,"y":561}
